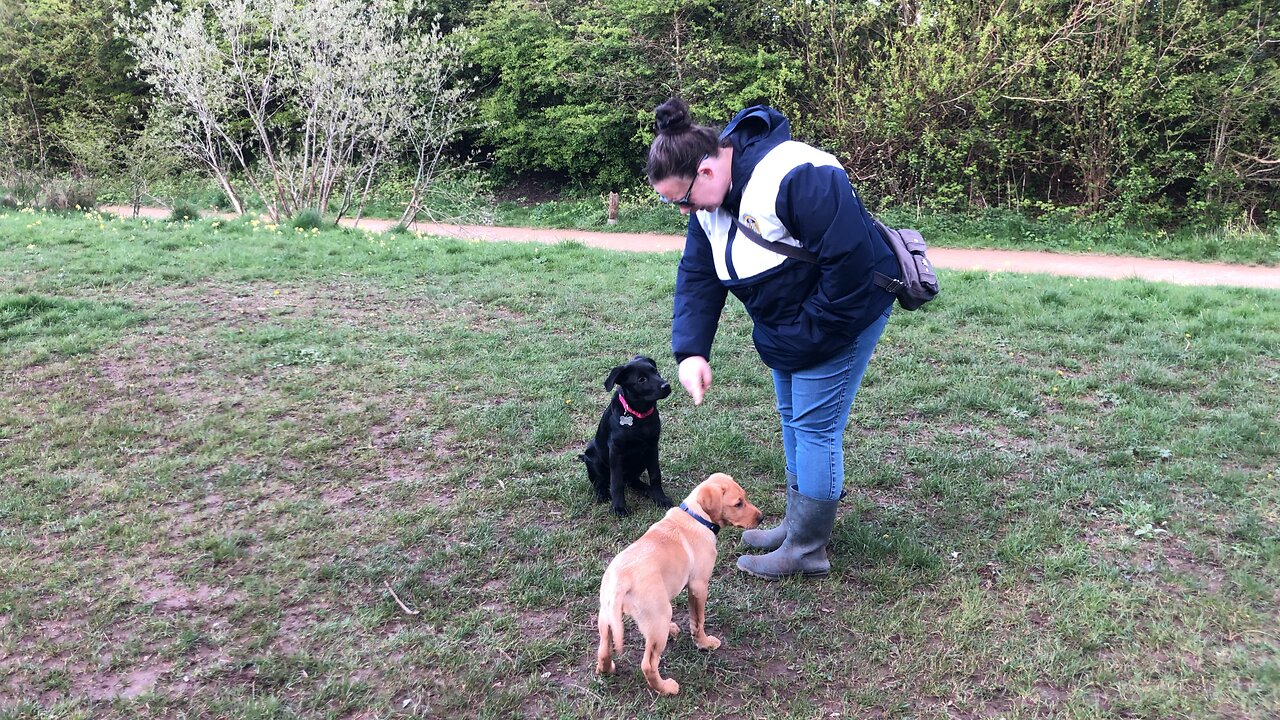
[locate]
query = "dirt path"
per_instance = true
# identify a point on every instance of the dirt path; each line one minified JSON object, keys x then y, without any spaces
{"x":1092,"y":265}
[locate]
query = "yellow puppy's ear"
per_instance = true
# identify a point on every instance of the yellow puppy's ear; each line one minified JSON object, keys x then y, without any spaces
{"x":711,"y":497}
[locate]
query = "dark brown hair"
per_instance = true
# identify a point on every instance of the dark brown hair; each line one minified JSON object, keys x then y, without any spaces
{"x":680,"y":144}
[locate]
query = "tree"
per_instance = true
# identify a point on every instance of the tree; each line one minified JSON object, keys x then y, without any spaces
{"x":305,"y":101}
{"x":570,"y":85}
{"x":57,"y":59}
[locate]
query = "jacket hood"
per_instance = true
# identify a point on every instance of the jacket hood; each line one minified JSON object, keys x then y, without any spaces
{"x":754,"y":131}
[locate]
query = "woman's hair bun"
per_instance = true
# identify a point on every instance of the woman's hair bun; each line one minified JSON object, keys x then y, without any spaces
{"x":672,"y":117}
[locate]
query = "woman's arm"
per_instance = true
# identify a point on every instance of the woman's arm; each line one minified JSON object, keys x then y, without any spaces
{"x":699,"y":297}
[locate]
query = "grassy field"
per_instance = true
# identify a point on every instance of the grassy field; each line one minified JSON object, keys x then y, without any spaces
{"x":221,"y":443}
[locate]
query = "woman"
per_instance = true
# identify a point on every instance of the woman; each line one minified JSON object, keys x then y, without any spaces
{"x":815,"y":324}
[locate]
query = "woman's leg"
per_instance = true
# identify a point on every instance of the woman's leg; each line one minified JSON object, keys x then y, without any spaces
{"x":782,"y":390}
{"x":821,"y":397}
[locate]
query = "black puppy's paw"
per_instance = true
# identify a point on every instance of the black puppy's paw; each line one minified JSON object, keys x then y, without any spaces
{"x":661,"y":500}
{"x":602,"y":497}
{"x":621,"y":510}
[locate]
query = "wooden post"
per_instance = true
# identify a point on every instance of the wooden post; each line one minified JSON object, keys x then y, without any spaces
{"x":613,"y":208}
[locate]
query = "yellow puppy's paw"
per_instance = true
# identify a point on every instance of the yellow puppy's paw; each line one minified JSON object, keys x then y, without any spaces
{"x":668,"y":687}
{"x":604,"y":667}
{"x":708,"y":642}
{"x":674,"y":630}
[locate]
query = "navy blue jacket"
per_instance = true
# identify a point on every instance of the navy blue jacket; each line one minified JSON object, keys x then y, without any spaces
{"x":789,"y":192}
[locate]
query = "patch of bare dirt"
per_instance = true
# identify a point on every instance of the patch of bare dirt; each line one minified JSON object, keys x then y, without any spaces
{"x":1149,"y":557}
{"x":359,"y":306}
{"x":348,"y":304}
{"x":49,"y":663}
{"x":165,"y":592}
{"x":126,"y":685}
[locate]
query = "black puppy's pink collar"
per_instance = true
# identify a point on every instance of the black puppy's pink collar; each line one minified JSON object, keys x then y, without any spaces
{"x":639,"y":416}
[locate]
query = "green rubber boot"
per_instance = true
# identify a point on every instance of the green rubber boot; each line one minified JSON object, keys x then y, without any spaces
{"x":804,"y":550}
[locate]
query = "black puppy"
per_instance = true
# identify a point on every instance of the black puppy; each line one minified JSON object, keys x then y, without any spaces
{"x":626,"y":442}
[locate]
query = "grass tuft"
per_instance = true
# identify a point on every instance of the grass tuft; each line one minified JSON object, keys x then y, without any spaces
{"x":183,"y":212}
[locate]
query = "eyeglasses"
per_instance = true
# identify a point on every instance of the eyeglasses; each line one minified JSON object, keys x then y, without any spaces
{"x":685,"y":201}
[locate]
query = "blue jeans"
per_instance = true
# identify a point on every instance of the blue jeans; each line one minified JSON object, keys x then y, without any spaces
{"x":814,"y":404}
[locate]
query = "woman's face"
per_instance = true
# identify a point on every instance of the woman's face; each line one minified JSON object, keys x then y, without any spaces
{"x":705,"y":190}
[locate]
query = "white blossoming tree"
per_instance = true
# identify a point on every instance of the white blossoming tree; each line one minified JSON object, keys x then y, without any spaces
{"x":306,"y":100}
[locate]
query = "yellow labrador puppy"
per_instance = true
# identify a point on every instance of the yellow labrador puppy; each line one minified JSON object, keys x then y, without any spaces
{"x":678,"y":550}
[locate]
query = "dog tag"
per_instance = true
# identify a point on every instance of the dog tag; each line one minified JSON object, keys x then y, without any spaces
{"x":626,"y":420}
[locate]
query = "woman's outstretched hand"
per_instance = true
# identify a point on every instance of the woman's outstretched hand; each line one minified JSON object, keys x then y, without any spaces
{"x":695,"y":376}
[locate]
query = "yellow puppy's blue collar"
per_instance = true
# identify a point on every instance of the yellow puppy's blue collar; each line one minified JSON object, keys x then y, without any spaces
{"x":714,"y":528}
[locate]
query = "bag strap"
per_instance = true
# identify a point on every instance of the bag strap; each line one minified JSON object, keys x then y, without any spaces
{"x":893,"y":240}
{"x":881,"y":280}
{"x":790,"y":251}
{"x":887,"y":283}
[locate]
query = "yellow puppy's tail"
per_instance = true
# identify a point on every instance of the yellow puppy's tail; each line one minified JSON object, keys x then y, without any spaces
{"x":611,"y":621}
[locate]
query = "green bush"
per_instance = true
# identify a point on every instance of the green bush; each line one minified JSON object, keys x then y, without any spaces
{"x":22,"y":185}
{"x":1153,"y":112}
{"x":549,"y":108}
{"x":183,"y":211}
{"x":60,"y":195}
{"x":309,"y":219}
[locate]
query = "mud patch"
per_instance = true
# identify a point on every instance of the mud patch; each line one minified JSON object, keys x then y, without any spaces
{"x":1116,"y":544}
{"x":127,"y":685}
{"x":167,"y":593}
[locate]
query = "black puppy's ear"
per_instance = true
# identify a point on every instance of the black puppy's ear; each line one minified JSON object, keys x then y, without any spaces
{"x":644,"y":359}
{"x":613,"y":377}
